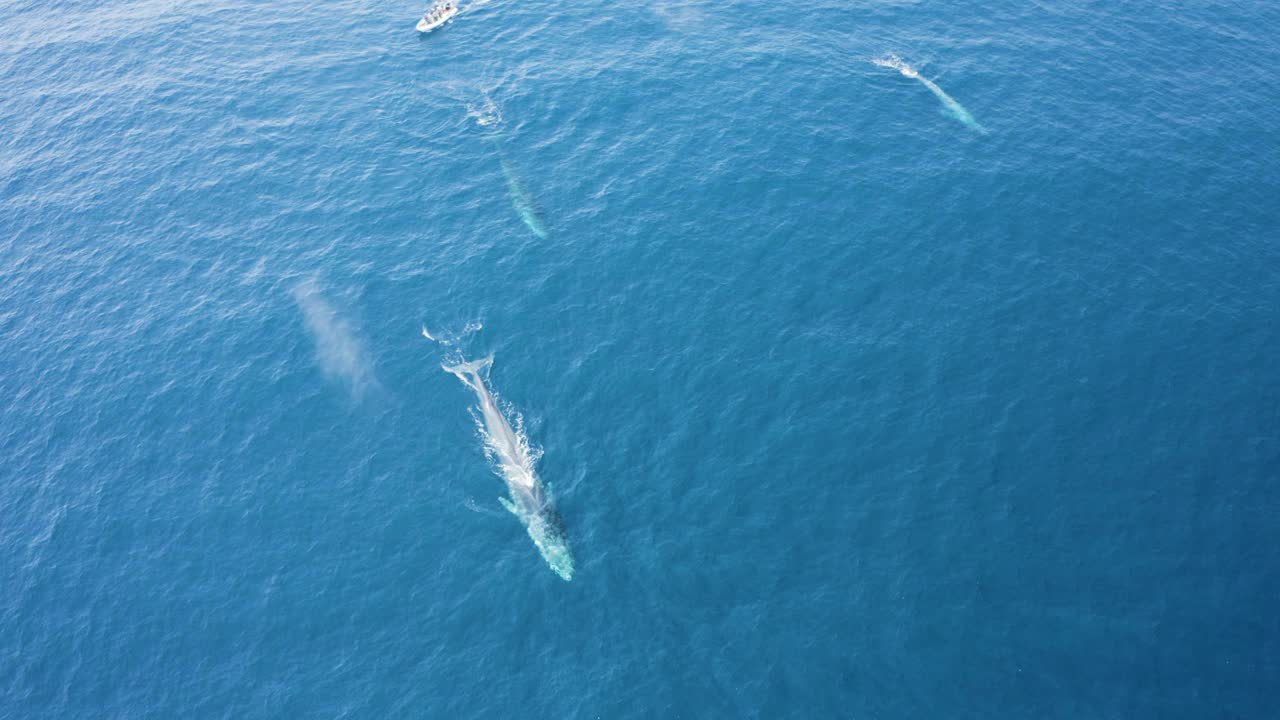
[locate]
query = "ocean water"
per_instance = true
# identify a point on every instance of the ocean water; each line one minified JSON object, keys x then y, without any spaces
{"x":885,"y":359}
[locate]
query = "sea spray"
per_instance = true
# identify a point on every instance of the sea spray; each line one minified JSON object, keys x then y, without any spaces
{"x":951,"y":107}
{"x":340,"y":352}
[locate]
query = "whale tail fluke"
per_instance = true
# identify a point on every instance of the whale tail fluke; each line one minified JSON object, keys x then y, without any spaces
{"x":470,"y":373}
{"x":473,"y":367}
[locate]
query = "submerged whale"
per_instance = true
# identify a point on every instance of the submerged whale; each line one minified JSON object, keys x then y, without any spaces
{"x":523,"y":202}
{"x":521,"y":199}
{"x":950,"y":105}
{"x":510,"y":452}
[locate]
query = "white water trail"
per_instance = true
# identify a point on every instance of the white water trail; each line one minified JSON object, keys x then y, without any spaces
{"x":953,"y":108}
{"x":339,"y":349}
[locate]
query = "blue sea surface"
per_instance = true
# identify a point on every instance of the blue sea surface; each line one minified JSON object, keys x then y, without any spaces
{"x":889,"y":359}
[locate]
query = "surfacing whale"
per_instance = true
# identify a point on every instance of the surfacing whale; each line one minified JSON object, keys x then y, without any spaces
{"x":521,"y":199}
{"x":514,"y":461}
{"x":950,"y":105}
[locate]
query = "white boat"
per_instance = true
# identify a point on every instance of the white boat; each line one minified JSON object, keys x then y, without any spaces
{"x":439,"y":14}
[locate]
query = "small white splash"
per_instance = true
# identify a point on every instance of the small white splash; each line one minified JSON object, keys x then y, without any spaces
{"x":448,"y":339}
{"x":893,"y":61}
{"x":341,"y":354}
{"x":485,"y":114}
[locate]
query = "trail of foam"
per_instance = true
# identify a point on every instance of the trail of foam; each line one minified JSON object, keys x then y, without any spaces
{"x":953,"y":108}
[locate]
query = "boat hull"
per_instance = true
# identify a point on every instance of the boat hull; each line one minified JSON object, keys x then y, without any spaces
{"x":425,"y":27}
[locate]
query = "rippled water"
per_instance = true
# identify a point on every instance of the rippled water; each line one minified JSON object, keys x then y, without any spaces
{"x":850,"y":409}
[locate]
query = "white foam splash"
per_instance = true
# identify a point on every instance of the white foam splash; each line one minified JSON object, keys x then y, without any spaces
{"x":897,"y":63}
{"x":486,"y":114}
{"x":339,"y":349}
{"x":950,"y":105}
{"x":448,"y":339}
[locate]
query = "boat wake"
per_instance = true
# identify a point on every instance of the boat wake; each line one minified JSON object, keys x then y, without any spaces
{"x":473,"y":5}
{"x":513,"y":459}
{"x":951,"y":107}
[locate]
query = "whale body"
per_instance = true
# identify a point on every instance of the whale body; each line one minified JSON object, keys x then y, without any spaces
{"x":950,"y":105}
{"x":509,"y":450}
{"x":523,"y":202}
